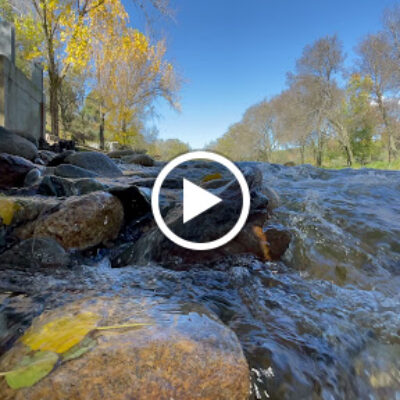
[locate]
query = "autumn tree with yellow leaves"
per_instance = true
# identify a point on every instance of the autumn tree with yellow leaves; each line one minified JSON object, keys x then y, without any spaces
{"x":130,"y":72}
{"x":71,"y":36}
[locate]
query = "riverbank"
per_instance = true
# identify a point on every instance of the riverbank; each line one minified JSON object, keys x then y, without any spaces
{"x":305,"y":306}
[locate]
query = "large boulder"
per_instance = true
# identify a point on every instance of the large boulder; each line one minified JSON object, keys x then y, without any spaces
{"x":13,"y":170}
{"x":140,"y":159}
{"x":121,"y":153}
{"x":63,"y":187}
{"x":12,"y":143}
{"x":72,"y":171}
{"x":254,"y":239}
{"x":95,"y":162}
{"x":59,"y":158}
{"x":36,"y":252}
{"x":183,"y":353}
{"x":80,"y":222}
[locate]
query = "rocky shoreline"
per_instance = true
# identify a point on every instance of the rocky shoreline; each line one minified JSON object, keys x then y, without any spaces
{"x":62,"y":209}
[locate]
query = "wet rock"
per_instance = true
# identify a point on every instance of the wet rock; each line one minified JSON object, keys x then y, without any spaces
{"x":47,"y":156}
{"x":56,"y":186}
{"x":32,"y":177}
{"x":134,"y":201}
{"x":13,"y":170}
{"x":60,"y":158}
{"x":80,"y":222}
{"x":36,"y":252}
{"x":268,"y":244}
{"x":20,"y":210}
{"x":72,"y":171}
{"x":140,"y":159}
{"x":121,"y":153}
{"x":185,"y":352}
{"x":254,"y":239}
{"x":96,"y":162}
{"x":62,"y":187}
{"x":14,"y":144}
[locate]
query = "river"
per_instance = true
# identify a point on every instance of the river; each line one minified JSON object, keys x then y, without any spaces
{"x":323,"y":323}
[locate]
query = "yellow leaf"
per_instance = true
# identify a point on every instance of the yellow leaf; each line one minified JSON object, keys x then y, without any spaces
{"x":31,"y":370}
{"x":122,"y":326}
{"x":61,"y":334}
{"x":8,"y":208}
{"x":211,"y":177}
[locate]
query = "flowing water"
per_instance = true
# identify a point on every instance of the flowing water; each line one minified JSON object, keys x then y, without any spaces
{"x":324,"y":323}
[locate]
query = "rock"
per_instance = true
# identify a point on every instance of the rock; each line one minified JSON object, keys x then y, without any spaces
{"x":36,"y":252}
{"x":20,"y":210}
{"x":96,"y":162}
{"x":121,"y":153}
{"x":16,"y":145}
{"x":80,"y":222}
{"x":60,"y":158}
{"x":72,"y":171}
{"x":55,"y":186}
{"x":47,"y":156}
{"x":13,"y":170}
{"x":135,"y":202}
{"x":32,"y":177}
{"x":140,"y":159}
{"x":63,"y":187}
{"x":184,"y":353}
{"x":154,"y":246}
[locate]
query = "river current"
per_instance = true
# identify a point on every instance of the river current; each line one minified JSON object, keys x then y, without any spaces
{"x":324,"y":323}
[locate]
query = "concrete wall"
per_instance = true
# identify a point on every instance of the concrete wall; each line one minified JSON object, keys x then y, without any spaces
{"x":21,"y":99}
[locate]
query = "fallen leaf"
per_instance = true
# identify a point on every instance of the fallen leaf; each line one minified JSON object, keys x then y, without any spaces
{"x":79,"y":349}
{"x":211,"y":177}
{"x":31,"y":369}
{"x":122,"y":326}
{"x":61,"y":334}
{"x":8,"y":207}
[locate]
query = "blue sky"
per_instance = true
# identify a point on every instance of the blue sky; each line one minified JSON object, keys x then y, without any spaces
{"x":234,"y":53}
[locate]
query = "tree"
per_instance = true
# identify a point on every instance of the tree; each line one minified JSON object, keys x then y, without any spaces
{"x":61,"y":31}
{"x":130,"y":74}
{"x":375,"y":61}
{"x":260,"y":123}
{"x":70,"y":99}
{"x":315,"y":72}
{"x":168,"y":149}
{"x":293,"y":119}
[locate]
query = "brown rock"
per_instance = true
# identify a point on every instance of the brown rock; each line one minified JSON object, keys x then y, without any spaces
{"x":13,"y":170}
{"x":140,"y":159}
{"x":121,"y":153}
{"x":185,"y":353}
{"x":80,"y":222}
{"x":19,"y":210}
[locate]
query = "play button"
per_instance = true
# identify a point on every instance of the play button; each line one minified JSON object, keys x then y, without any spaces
{"x":196,"y":200}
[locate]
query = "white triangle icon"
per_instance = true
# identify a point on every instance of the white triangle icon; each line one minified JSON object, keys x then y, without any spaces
{"x":196,"y":200}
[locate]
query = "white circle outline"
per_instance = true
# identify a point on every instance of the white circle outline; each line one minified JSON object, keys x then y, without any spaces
{"x":195,"y":155}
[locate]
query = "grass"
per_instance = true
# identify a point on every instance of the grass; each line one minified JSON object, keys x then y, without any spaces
{"x":394,"y":165}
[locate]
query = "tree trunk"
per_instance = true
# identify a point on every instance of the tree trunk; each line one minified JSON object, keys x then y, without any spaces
{"x":320,"y":148}
{"x":391,"y":146}
{"x":350,"y":156}
{"x":101,"y":129}
{"x":124,"y":131}
{"x":54,"y":106}
{"x":302,"y":151}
